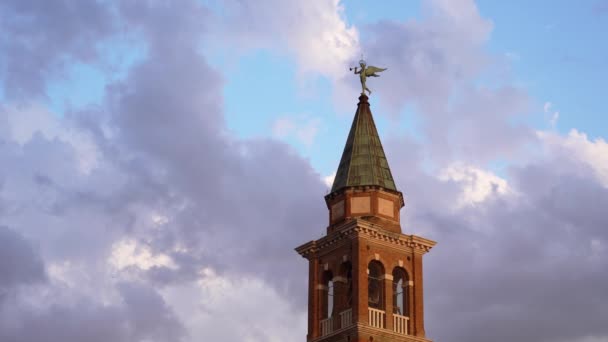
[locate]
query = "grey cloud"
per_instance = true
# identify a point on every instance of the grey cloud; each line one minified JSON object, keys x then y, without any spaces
{"x":162,"y":147}
{"x":235,"y":193}
{"x":150,"y":317}
{"x":440,"y":67}
{"x":69,"y":215}
{"x":39,"y":38}
{"x":19,"y":261}
{"x":59,"y":323}
{"x":141,"y":316}
{"x":240,"y":206}
{"x":525,"y":267}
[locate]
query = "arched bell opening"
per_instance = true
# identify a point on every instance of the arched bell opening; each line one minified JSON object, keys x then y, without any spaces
{"x":400,"y":293}
{"x":343,"y":295}
{"x":344,"y":288}
{"x":375,"y":285}
{"x":327,"y":297}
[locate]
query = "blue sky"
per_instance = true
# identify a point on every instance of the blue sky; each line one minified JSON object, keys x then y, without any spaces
{"x":557,"y":46}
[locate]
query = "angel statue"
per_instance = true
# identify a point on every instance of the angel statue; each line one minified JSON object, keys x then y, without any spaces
{"x":364,"y":72}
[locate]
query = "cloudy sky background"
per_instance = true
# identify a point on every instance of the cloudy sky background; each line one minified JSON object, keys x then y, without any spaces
{"x":160,"y":161}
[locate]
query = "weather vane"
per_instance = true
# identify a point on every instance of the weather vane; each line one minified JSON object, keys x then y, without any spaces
{"x":364,"y":72}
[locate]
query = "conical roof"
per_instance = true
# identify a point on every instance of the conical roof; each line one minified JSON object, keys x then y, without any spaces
{"x":363,"y":160}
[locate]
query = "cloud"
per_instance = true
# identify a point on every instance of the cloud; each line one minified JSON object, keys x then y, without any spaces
{"x":27,"y":121}
{"x":532,"y":236}
{"x":554,"y":114}
{"x":477,"y":184}
{"x":428,"y":58}
{"x":167,"y":192}
{"x":303,"y":129}
{"x":127,"y":253}
{"x":439,"y":67}
{"x":214,"y":300}
{"x":282,"y":127}
{"x":509,"y":258}
{"x":178,"y":228}
{"x":32,"y":56}
{"x":139,"y":314}
{"x":314,"y":33}
{"x":329,"y":180}
{"x":554,"y":119}
{"x":576,"y":146}
{"x":19,"y":262}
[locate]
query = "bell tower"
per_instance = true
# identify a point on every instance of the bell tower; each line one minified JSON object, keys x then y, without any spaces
{"x":365,"y":275}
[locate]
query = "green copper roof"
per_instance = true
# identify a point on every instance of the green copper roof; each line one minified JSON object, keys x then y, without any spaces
{"x":363,"y":161}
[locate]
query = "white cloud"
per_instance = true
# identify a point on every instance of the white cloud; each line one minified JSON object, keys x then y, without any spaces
{"x":554,"y":118}
{"x":128,"y":252}
{"x":303,"y":129}
{"x":315,"y":33}
{"x":554,"y":115}
{"x":329,"y":180}
{"x":576,"y":145}
{"x":234,"y":308}
{"x":325,"y":45}
{"x":477,"y":184}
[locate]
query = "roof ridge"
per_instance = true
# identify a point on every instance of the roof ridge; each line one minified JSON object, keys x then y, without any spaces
{"x":355,"y":122}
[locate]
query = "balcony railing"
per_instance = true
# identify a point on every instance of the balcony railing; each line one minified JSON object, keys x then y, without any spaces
{"x":346,"y":318}
{"x":400,"y":324}
{"x":326,"y":326}
{"x":376,"y":318}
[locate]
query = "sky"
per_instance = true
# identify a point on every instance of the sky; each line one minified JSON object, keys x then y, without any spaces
{"x":160,"y":160}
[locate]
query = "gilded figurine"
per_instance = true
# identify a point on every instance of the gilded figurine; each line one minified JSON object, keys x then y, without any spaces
{"x":364,"y":72}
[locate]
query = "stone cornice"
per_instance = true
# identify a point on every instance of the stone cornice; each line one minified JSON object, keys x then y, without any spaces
{"x":361,"y":228}
{"x":335,"y":332}
{"x":364,"y":328}
{"x":359,"y":188}
{"x":306,"y":249}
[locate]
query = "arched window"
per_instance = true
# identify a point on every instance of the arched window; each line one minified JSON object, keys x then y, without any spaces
{"x":375,"y":285}
{"x":330,"y":298}
{"x":328,"y":294}
{"x":400,"y":297}
{"x":346,"y":293}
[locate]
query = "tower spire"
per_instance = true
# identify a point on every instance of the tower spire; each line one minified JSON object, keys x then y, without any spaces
{"x":364,"y":186}
{"x":363,"y":161}
{"x":365,"y":276}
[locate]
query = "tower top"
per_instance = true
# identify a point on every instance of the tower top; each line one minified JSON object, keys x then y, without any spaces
{"x":363,"y":161}
{"x":365,"y":275}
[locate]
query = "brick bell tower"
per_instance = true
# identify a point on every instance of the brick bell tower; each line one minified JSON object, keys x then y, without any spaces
{"x":365,"y":275}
